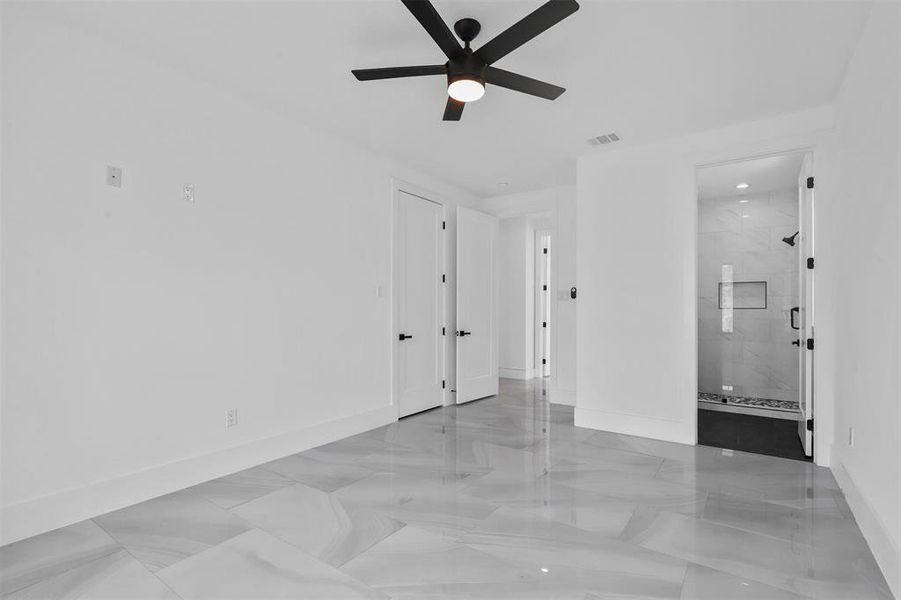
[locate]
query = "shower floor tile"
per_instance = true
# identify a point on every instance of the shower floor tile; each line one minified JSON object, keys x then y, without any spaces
{"x":750,"y":401}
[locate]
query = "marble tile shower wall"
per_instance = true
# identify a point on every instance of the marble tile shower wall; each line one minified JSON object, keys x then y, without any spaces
{"x":757,"y":358}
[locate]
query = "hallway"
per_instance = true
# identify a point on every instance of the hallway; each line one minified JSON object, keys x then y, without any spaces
{"x":502,"y":497}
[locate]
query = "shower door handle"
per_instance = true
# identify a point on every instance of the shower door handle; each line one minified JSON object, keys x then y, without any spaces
{"x":795,"y":310}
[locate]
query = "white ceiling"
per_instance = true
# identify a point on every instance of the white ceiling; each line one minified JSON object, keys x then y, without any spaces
{"x":762,"y":174}
{"x":645,"y":70}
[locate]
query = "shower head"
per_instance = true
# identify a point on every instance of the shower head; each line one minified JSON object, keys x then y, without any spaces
{"x":791,"y":239}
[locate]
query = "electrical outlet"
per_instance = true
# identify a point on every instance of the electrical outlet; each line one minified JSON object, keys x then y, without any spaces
{"x":851,"y":437}
{"x":114,"y":176}
{"x":727,"y":388}
{"x":231,"y":418}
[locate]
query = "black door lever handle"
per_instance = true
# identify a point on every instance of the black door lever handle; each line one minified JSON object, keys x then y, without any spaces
{"x":461,"y":333}
{"x":404,"y":336}
{"x":796,"y":343}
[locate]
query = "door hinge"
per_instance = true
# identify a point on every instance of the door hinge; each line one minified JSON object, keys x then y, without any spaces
{"x":544,"y":323}
{"x":810,"y":343}
{"x":544,"y":361}
{"x":809,"y":424}
{"x":544,"y":288}
{"x":443,"y":278}
{"x":442,"y":331}
{"x":443,"y":224}
{"x":810,"y":183}
{"x":442,"y":384}
{"x":810,"y":263}
{"x":544,"y":251}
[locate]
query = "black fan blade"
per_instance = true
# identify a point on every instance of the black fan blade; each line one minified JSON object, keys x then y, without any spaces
{"x":432,"y":22}
{"x":546,"y":16}
{"x":453,"y":110}
{"x":394,"y":72}
{"x":521,"y":83}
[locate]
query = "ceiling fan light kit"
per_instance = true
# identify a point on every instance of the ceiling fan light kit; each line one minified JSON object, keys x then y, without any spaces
{"x":469,"y":71}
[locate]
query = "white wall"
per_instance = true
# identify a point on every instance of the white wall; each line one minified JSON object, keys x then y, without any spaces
{"x":858,"y":264}
{"x":636,"y":251}
{"x":552,"y":208}
{"x":516,"y":248}
{"x":132,"y":320}
{"x":637,"y":271}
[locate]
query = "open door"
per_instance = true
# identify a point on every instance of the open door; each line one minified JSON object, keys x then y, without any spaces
{"x":477,"y":291}
{"x":806,"y":312}
{"x":419,"y":304}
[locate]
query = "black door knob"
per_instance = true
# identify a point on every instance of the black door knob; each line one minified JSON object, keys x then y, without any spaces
{"x":461,"y":333}
{"x":404,"y":336}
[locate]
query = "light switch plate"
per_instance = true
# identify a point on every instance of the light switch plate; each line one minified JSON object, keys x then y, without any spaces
{"x":188,"y":192}
{"x":114,"y":176}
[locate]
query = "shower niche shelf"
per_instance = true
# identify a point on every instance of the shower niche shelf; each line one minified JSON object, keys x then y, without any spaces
{"x":742,"y":295}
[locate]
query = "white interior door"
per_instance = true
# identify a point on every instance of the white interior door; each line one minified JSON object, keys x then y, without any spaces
{"x":806,"y":312}
{"x":419,"y":304}
{"x":477,"y":291}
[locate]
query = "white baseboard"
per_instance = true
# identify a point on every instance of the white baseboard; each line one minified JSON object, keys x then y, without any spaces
{"x":507,"y":373}
{"x":874,"y":531}
{"x":43,"y":514}
{"x":565,"y":397}
{"x":648,"y":427}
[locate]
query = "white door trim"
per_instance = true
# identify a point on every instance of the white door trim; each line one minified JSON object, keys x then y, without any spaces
{"x":398,"y":186}
{"x":825,"y":413}
{"x":551,"y":299}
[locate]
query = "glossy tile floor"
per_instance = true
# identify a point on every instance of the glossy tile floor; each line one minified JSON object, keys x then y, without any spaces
{"x":500,"y":498}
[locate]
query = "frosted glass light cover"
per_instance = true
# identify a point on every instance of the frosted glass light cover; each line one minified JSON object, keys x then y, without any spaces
{"x":466,"y":90}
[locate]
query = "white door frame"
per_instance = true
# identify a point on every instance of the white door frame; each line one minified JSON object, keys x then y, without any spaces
{"x":541,"y":338}
{"x":398,"y":186}
{"x":803,"y":149}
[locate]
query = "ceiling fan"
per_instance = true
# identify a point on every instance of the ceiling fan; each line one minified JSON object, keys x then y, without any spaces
{"x":468,"y":71}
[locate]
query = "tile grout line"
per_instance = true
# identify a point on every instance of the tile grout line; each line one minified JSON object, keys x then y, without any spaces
{"x":136,"y":559}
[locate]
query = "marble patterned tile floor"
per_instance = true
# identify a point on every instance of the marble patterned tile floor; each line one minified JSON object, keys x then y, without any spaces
{"x":499,"y":498}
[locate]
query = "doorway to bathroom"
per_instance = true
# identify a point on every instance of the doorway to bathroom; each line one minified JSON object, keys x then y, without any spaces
{"x":755,"y":305}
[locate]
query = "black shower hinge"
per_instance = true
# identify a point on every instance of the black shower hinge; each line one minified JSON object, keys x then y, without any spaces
{"x":443,"y":278}
{"x":809,"y":424}
{"x":442,"y":384}
{"x":545,"y":251}
{"x":810,"y":343}
{"x":544,"y":361}
{"x":443,"y":224}
{"x":442,"y":331}
{"x":544,"y":288}
{"x":810,"y":263}
{"x":544,"y":323}
{"x":810,"y":183}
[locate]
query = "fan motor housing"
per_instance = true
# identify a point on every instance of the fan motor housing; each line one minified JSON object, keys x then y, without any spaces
{"x":468,"y":66}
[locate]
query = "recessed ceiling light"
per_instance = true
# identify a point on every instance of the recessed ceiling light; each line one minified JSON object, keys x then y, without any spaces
{"x":544,"y":569}
{"x":502,"y":184}
{"x":745,"y":216}
{"x":743,"y":186}
{"x":743,"y":201}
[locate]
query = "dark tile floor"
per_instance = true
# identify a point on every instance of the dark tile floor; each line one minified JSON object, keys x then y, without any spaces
{"x":749,"y":433}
